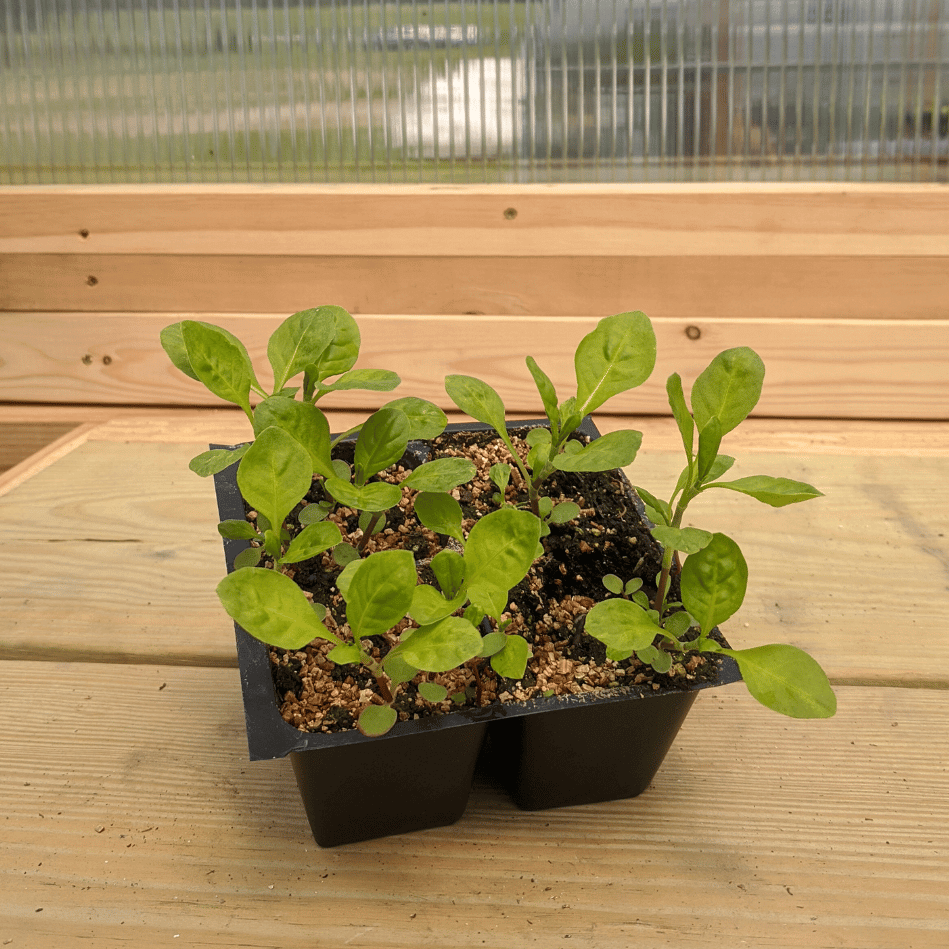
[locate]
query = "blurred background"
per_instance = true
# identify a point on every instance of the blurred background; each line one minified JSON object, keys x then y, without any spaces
{"x":102,"y":91}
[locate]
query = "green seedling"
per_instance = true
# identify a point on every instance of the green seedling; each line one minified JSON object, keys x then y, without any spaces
{"x":714,"y":576}
{"x":618,"y":355}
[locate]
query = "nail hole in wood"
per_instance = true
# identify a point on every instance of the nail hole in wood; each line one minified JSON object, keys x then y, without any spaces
{"x":87,"y":360}
{"x":693,"y":332}
{"x":510,"y":213}
{"x":106,"y":360}
{"x":84,"y":233}
{"x":92,"y":281}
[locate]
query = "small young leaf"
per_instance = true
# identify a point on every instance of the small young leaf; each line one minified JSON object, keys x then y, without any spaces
{"x":548,"y":394}
{"x":442,"y":646}
{"x":345,"y":654}
{"x":426,"y":420}
{"x":640,"y":599}
{"x":728,"y":389}
{"x":397,"y":669}
{"x":662,"y":511}
{"x":477,"y":399}
{"x":786,"y":679}
{"x":271,"y":607}
{"x":613,"y":583}
{"x":511,"y":661}
{"x":613,"y":450}
{"x":314,"y":513}
{"x":633,"y":585}
{"x":538,"y":436}
{"x":442,"y":474}
{"x":500,"y":474}
{"x":545,"y":506}
{"x":564,"y":512}
{"x":345,"y":554}
{"x":377,"y":496}
{"x":690,"y":540}
{"x":449,"y":569}
{"x":299,"y":342}
{"x":680,"y":412}
{"x":659,"y":659}
{"x":617,"y":655}
{"x":616,"y":356}
{"x":215,"y":460}
{"x":275,"y":474}
{"x":237,"y":530}
{"x":382,"y":442}
{"x":710,"y":438}
{"x":429,"y":606}
{"x":621,"y":625}
{"x":373,"y":380}
{"x":311,"y":541}
{"x":248,"y":558}
{"x":380,"y":593}
{"x":714,"y":581}
{"x":375,"y":720}
{"x":492,"y":643}
{"x":302,"y":421}
{"x":432,"y":691}
{"x":439,"y":512}
{"x":678,"y":624}
{"x":719,"y":466}
{"x":778,"y":492}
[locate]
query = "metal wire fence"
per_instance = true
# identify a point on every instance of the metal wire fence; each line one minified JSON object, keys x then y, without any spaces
{"x":473,"y":90}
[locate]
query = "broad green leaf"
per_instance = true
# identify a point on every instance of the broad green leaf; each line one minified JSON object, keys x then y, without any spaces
{"x":373,"y":380}
{"x":439,"y":512}
{"x":500,"y":474}
{"x":217,"y":459}
{"x":220,"y":361}
{"x":787,"y":680}
{"x":442,"y":474}
{"x":680,"y":412}
{"x":566,"y":511}
{"x":314,"y":513}
{"x":548,"y":394}
{"x":621,"y":625}
{"x":714,"y":581}
{"x":275,"y":474}
{"x":499,"y":552}
{"x":172,"y":341}
{"x":511,"y":661}
{"x":449,"y":569}
{"x":432,"y":691}
{"x":659,"y":659}
{"x":237,"y":530}
{"x":299,"y":342}
{"x":613,"y":450}
{"x":544,"y":506}
{"x":477,"y":399}
{"x":397,"y":669}
{"x":678,"y":624}
{"x":659,"y":507}
{"x":380,"y":593}
{"x":426,"y":420}
{"x":429,"y":606}
{"x":442,"y":646}
{"x":311,"y":541}
{"x":474,"y":614}
{"x":382,"y":442}
{"x":613,"y":583}
{"x":271,"y":607}
{"x":618,"y":355}
{"x":778,"y":492}
{"x":690,"y":540}
{"x":710,"y":438}
{"x":302,"y":421}
{"x":538,"y":436}
{"x":376,"y":496}
{"x":345,"y":654}
{"x":248,"y":558}
{"x":728,"y":389}
{"x":721,"y":464}
{"x":492,"y":643}
{"x":375,"y":720}
{"x":343,"y":350}
{"x":342,"y":581}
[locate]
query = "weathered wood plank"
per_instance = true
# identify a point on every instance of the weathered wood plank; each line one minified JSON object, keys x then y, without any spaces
{"x":132,"y":817}
{"x":819,"y":368}
{"x":830,"y":286}
{"x":760,"y":220}
{"x":851,"y":577}
{"x":20,"y":440}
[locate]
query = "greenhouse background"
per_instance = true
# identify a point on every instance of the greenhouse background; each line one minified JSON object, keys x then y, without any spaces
{"x":101,"y":91}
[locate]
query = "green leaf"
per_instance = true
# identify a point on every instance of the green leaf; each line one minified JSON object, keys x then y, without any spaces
{"x":342,"y":581}
{"x":343,"y":350}
{"x":659,"y":507}
{"x":786,"y":679}
{"x":377,"y":496}
{"x":442,"y":646}
{"x":442,"y":474}
{"x":302,"y":421}
{"x":373,"y":380}
{"x":477,"y":399}
{"x":311,"y":541}
{"x":345,"y":554}
{"x":613,"y":450}
{"x":621,"y":625}
{"x":570,"y":418}
{"x":492,"y":643}
{"x":172,"y":341}
{"x":380,"y":593}
{"x":498,"y":554}
{"x":439,"y":512}
{"x":375,"y":720}
{"x":659,"y":659}
{"x":299,"y":342}
{"x":275,"y":474}
{"x":714,"y":581}
{"x":613,"y":583}
{"x":719,"y":466}
{"x":474,"y":614}
{"x":382,"y":442}
{"x":248,"y":558}
{"x":500,"y":474}
{"x":237,"y":530}
{"x":426,"y":420}
{"x":429,"y":606}
{"x":690,"y":540}
{"x":397,"y":669}
{"x":271,"y":607}
{"x":710,"y":438}
{"x":678,"y":624}
{"x":633,"y":585}
{"x":618,"y":355}
{"x":564,"y":512}
{"x":314,"y":513}
{"x":511,"y":661}
{"x":220,"y":361}
{"x":548,"y":394}
{"x":680,"y":412}
{"x":728,"y":389}
{"x":449,"y":569}
{"x":778,"y":492}
{"x":432,"y":691}
{"x":345,"y":654}
{"x":215,"y":460}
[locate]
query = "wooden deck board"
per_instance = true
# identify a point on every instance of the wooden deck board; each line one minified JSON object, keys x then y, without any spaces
{"x":131,"y":816}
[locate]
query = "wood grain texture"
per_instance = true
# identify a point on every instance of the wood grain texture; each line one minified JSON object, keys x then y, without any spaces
{"x":832,"y":286}
{"x":121,"y":557}
{"x":131,"y":817}
{"x":435,"y":220}
{"x":20,"y":440}
{"x":819,"y":368}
